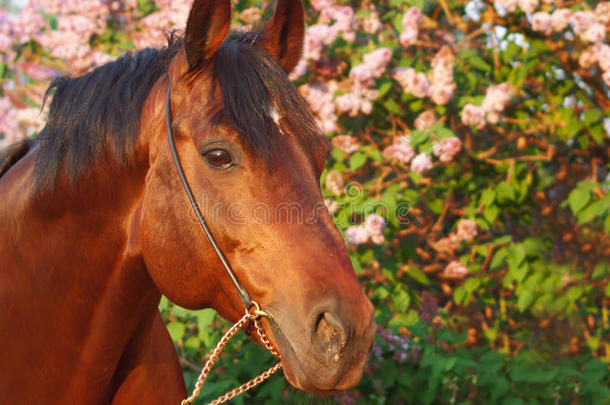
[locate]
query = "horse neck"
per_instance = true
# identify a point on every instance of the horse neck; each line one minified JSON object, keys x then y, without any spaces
{"x":72,"y":263}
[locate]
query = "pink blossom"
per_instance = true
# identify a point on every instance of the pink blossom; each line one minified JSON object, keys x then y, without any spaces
{"x":497,"y":97}
{"x":346,"y":143}
{"x":421,"y":163}
{"x":334,"y":182}
{"x":492,"y":117}
{"x":560,"y":19}
{"x":441,"y":77}
{"x":356,"y":235}
{"x":356,"y":101}
{"x":418,"y":85}
{"x":372,"y":228}
{"x":441,"y":94}
{"x":542,"y":22}
{"x":331,"y":205}
{"x":37,"y":72}
{"x":18,"y":123}
{"x":412,"y":82}
{"x":377,"y":239}
{"x":379,"y":58}
{"x":455,"y":270}
{"x":400,"y":150}
{"x":588,"y":57}
{"x":250,"y":15}
{"x":581,"y":21}
{"x":410,"y":26}
{"x":374,"y":224}
{"x":447,"y":148}
{"x":361,"y":73}
{"x":424,"y":120}
{"x":473,"y":115}
{"x":373,"y":66}
{"x":509,"y":5}
{"x":602,"y":12}
{"x":467,"y":230}
{"x":371,"y":24}
{"x":320,"y":98}
{"x":299,"y":70}
{"x":345,"y":21}
{"x":6,"y":35}
{"x":595,"y":33}
{"x":603,"y":56}
{"x":353,"y":103}
{"x":6,"y":42}
{"x":344,"y":17}
{"x":442,"y":66}
{"x":99,"y":58}
{"x":28,"y":24}
{"x":528,"y":6}
{"x":413,"y":16}
{"x":320,"y":5}
{"x":408,"y":36}
{"x":315,"y":37}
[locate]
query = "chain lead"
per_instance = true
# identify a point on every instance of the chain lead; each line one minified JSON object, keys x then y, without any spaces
{"x":253,"y":316}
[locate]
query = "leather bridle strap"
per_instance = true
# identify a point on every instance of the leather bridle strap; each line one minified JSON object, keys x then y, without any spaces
{"x":241,"y":291}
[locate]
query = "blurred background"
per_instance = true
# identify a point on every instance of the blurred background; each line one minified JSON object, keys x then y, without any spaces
{"x":469,"y":173}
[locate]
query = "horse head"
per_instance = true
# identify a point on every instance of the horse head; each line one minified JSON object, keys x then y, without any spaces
{"x":253,"y":155}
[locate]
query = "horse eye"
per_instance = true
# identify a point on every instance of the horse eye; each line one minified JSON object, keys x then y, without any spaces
{"x":218,"y":159}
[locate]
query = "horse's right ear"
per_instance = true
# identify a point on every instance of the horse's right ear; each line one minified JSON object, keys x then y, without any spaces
{"x":207,"y":26}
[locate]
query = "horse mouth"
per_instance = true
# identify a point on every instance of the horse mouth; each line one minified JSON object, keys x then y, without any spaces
{"x":306,"y":372}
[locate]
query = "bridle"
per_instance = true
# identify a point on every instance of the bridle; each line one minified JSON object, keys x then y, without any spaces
{"x":253,"y":310}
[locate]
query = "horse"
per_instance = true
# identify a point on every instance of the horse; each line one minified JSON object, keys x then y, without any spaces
{"x":95,"y":225}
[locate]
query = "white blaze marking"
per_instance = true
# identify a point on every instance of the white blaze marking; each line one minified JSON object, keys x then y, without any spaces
{"x":276,"y":117}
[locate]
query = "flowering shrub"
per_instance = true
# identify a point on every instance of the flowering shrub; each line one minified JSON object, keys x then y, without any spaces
{"x":469,"y":172}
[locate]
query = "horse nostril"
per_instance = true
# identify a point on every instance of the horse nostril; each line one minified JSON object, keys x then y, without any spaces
{"x":329,"y":336}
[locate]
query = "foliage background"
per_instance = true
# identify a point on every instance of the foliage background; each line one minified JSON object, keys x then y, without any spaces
{"x":490,"y":271}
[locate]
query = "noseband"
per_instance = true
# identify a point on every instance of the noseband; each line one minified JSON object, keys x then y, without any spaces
{"x":253,"y":309}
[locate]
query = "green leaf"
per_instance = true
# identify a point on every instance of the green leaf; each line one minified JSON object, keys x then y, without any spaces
{"x":418,"y":138}
{"x":526,"y":297}
{"x":459,"y":294}
{"x":401,"y":300}
{"x":418,"y":275}
{"x":357,"y":160}
{"x":192,"y":343}
{"x":472,"y":284}
{"x":391,"y":106}
{"x":578,"y":199}
{"x":3,"y":70}
{"x":574,"y":293}
{"x":591,"y":116}
{"x":518,"y":251}
{"x":601,"y":270}
{"x":488,"y":196}
{"x":176,"y":330}
{"x":204,"y":318}
{"x":499,"y":388}
{"x":505,"y":192}
{"x":499,"y":259}
{"x":490,"y":214}
{"x":384,"y":88}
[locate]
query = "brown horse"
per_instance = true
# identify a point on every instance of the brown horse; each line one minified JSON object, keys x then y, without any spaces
{"x":95,"y":225}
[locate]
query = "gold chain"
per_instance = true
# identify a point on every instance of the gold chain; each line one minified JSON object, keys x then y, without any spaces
{"x":215,"y":354}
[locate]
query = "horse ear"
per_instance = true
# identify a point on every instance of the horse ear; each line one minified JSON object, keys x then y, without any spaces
{"x":206,"y":28}
{"x":283,"y":34}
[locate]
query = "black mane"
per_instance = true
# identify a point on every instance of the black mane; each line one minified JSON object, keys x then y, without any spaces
{"x":98,"y":114}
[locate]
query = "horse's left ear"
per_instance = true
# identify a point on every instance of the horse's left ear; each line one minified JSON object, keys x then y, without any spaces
{"x":206,"y":28}
{"x":283,"y":34}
